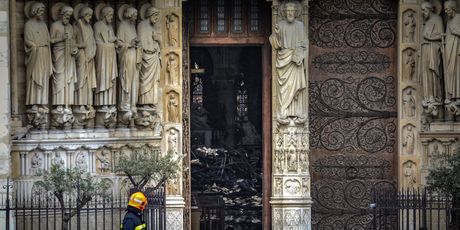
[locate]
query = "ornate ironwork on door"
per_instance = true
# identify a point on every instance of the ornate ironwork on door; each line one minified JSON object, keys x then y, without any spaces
{"x":353,"y":118}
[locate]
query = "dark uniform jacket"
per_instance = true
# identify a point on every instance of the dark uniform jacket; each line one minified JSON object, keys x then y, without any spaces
{"x":133,"y":220}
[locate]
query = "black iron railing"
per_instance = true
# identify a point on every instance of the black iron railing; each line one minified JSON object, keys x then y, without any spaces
{"x":40,"y":211}
{"x":415,"y":209}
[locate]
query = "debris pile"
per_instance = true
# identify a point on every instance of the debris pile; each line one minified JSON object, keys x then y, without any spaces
{"x":236,"y":175}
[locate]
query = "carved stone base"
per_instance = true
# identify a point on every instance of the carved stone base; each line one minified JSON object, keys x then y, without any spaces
{"x":62,"y":118}
{"x":37,"y":116}
{"x":147,"y":118}
{"x":84,"y":117}
{"x":453,"y":109}
{"x":288,"y":217}
{"x":126,"y":118}
{"x":106,"y":117}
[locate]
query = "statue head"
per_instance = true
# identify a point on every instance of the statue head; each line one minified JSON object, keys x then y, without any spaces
{"x":38,"y":10}
{"x":290,"y":10}
{"x":450,"y":7}
{"x":131,"y":14}
{"x":66,"y":13}
{"x":427,"y":9}
{"x":86,"y":14}
{"x":107,"y":14}
{"x":153,"y":14}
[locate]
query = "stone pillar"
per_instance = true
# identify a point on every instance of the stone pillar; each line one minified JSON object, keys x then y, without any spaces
{"x":5,"y":105}
{"x":290,"y":191}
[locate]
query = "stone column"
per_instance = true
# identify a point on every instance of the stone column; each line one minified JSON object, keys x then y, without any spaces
{"x":5,"y":105}
{"x":290,"y":193}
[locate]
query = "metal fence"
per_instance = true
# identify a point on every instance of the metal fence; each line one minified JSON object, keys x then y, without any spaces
{"x":421,"y":210}
{"x":44,"y":212}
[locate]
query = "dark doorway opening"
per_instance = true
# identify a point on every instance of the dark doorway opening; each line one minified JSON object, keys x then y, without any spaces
{"x":226,"y":137}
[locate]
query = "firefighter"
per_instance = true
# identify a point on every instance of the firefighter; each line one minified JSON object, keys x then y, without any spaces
{"x":133,"y":217}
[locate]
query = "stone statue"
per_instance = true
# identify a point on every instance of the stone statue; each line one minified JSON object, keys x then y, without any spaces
{"x":106,"y":58}
{"x":81,"y":162}
{"x":172,"y":67}
{"x":409,"y":27}
{"x":103,"y":161}
{"x":36,"y":163}
{"x":172,"y":25}
{"x":172,"y":141}
{"x":290,"y":42}
{"x":452,"y":72}
{"x":409,"y":141}
{"x":410,"y":179}
{"x":173,"y":108}
{"x":86,"y":72}
{"x":38,"y":62}
{"x":149,"y":36}
{"x":64,"y":51}
{"x":409,"y":104}
{"x":128,"y":58}
{"x":431,"y":54}
{"x":409,"y":67}
{"x":58,"y":161}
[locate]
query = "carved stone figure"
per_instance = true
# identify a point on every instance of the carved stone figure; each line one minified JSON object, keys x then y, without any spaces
{"x":38,"y":55}
{"x":173,"y":108}
{"x":409,"y":141}
{"x":106,"y":57}
{"x":292,"y":186}
{"x":279,"y":186}
{"x":408,"y":103}
{"x":103,"y":161}
{"x":409,"y":65}
{"x":172,"y":186}
{"x":290,"y":42}
{"x":36,"y":163}
{"x":172,"y":141}
{"x":172,"y":67}
{"x":128,"y":58}
{"x":410,"y":179}
{"x":149,"y":36}
{"x":172,"y":24}
{"x":431,"y":54}
{"x":409,"y":26}
{"x":452,"y":72}
{"x":81,"y":161}
{"x":64,"y":51}
{"x":86,"y":72}
{"x":58,"y":160}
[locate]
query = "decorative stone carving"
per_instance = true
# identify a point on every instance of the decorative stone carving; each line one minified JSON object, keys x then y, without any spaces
{"x":58,"y":160}
{"x":38,"y":63}
{"x":36,"y":163}
{"x":150,"y":38}
{"x":110,"y":187}
{"x":305,"y":186}
{"x":84,"y":118}
{"x":431,"y":55}
{"x":410,"y":177}
{"x":436,"y":155}
{"x":86,"y":44}
{"x":291,"y":44}
{"x":173,"y":186}
{"x":106,"y":117}
{"x":292,"y":187}
{"x":172,"y":25}
{"x":279,"y":186}
{"x":173,"y":142}
{"x":452,"y":71}
{"x":149,"y":119}
{"x":172,"y":68}
{"x":172,"y":106}
{"x":409,"y":25}
{"x":106,"y":57}
{"x":409,"y":65}
{"x":81,"y":160}
{"x":128,"y":58}
{"x":409,"y":140}
{"x":103,"y":161}
{"x":408,"y":103}
{"x":453,"y":107}
{"x":62,"y":118}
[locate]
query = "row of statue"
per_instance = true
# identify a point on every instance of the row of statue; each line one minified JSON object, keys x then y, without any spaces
{"x":440,"y":60}
{"x":84,"y":63}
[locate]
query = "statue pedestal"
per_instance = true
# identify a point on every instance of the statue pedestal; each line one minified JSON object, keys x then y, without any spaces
{"x":106,"y":117}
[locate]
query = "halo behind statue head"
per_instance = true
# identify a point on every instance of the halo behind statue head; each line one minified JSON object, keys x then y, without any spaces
{"x":121,"y":11}
{"x":98,"y":10}
{"x":77,"y":9}
{"x":28,"y":8}
{"x":56,"y":10}
{"x":143,"y":10}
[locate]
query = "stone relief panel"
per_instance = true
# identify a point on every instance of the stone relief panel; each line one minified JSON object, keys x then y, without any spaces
{"x":409,"y":103}
{"x":172,"y":69}
{"x":174,"y":219}
{"x":82,"y":160}
{"x":290,"y":218}
{"x":37,"y":162}
{"x":104,"y":161}
{"x":410,"y":23}
{"x":172,"y":107}
{"x":172,"y":26}
{"x":410,"y":175}
{"x":409,"y":66}
{"x":409,"y":139}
